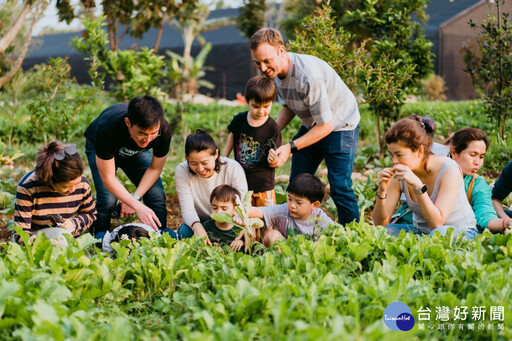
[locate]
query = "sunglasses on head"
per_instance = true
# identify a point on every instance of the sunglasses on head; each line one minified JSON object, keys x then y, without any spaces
{"x":61,"y":154}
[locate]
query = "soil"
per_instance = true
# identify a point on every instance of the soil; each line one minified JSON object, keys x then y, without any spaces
{"x":173,"y":218}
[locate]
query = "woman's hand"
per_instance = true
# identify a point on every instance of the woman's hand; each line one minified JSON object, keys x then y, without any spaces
{"x":406,"y":174}
{"x":383,"y":178}
{"x":69,"y":226}
{"x":201,"y":232}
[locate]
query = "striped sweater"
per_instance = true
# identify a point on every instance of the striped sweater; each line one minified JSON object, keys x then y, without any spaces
{"x":34,"y":201}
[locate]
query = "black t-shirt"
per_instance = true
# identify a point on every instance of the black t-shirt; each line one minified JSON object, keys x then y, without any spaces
{"x":110,"y":137}
{"x":251,"y":146}
{"x":503,"y":186}
{"x":217,"y":235}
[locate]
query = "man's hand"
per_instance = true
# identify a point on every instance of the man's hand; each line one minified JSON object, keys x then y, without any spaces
{"x":126,"y":211}
{"x":148,"y":217}
{"x":283,"y":153}
{"x":201,"y":232}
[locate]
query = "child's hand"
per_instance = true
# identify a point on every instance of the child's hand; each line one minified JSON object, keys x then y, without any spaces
{"x":272,"y":158}
{"x":236,"y":245}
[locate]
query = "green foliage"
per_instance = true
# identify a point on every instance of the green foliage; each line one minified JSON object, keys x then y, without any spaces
{"x":318,"y":36}
{"x":399,"y":55}
{"x":184,"y":76}
{"x":133,"y":72}
{"x":251,"y":16}
{"x":450,"y":116}
{"x":490,"y":66}
{"x":334,"y":288}
{"x":296,"y":10}
{"x":57,"y":99}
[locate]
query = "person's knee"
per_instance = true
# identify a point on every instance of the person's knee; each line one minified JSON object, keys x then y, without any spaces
{"x":184,"y":231}
{"x":173,"y":234}
{"x":155,"y":195}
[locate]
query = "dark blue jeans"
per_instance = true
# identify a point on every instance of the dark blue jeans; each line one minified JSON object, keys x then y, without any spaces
{"x":134,"y":167}
{"x":338,"y":149}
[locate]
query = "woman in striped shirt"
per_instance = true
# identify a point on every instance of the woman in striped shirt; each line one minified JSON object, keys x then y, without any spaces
{"x":55,"y":193}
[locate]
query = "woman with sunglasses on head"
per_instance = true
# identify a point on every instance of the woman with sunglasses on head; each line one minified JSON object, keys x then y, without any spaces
{"x":55,"y":193}
{"x":468,"y":147}
{"x":432,"y":184}
{"x":196,"y":178}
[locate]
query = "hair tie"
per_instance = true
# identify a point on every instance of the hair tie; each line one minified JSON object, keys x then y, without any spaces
{"x":423,"y":125}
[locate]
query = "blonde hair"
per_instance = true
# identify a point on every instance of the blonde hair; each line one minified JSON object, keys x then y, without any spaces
{"x":266,"y":35}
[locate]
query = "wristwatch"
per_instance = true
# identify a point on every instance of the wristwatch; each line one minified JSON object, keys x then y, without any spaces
{"x":420,"y":190}
{"x":293,"y":147}
{"x":136,"y":196}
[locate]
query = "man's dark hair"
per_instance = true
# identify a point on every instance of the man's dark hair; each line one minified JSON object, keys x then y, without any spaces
{"x":307,"y":186}
{"x":145,"y":111}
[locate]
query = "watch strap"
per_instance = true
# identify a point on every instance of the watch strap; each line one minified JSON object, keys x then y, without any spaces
{"x":420,"y":190}
{"x":293,"y":147}
{"x":136,"y":196}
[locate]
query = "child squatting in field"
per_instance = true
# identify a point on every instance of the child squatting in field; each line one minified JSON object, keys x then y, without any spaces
{"x":300,"y":215}
{"x":224,"y":199}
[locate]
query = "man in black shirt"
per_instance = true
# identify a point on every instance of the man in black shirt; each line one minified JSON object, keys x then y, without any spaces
{"x":121,"y":137}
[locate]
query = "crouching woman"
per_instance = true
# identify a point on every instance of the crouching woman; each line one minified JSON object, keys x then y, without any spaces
{"x":432,"y":185}
{"x":55,"y":195}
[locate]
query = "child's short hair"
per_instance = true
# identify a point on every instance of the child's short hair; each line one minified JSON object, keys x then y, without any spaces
{"x":307,"y":186}
{"x":260,"y":89}
{"x":131,"y":232}
{"x":225,"y":193}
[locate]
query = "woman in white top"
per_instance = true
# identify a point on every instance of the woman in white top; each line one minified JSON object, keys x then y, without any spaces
{"x":432,"y":184}
{"x":196,"y":178}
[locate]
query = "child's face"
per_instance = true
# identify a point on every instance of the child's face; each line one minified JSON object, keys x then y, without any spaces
{"x":223,"y":207}
{"x":299,"y":207}
{"x":259,"y":111}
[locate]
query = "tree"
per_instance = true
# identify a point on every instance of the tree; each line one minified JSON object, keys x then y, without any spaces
{"x":190,"y":22}
{"x":128,"y":17}
{"x":251,"y":16}
{"x":294,"y":11}
{"x":399,"y":55}
{"x":13,"y":32}
{"x":318,"y":36}
{"x":490,"y":65}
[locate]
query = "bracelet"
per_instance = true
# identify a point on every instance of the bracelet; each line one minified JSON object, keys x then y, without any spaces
{"x":381,"y":198}
{"x":192,"y":225}
{"x":503,"y":225}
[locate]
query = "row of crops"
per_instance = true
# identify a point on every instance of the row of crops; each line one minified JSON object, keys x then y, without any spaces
{"x":335,"y":288}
